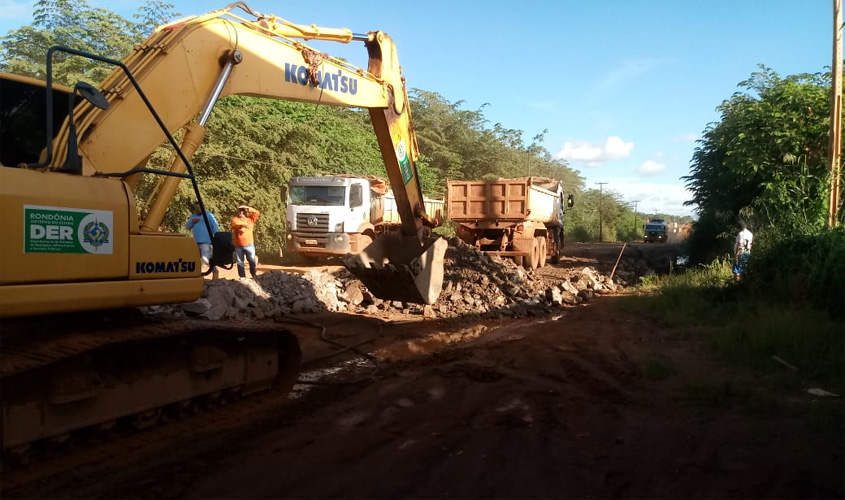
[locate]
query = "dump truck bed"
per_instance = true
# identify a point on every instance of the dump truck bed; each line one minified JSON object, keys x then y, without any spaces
{"x":506,"y":200}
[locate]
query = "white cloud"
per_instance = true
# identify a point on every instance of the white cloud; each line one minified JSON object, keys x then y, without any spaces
{"x":650,"y":167}
{"x":653,"y":197}
{"x":593,"y":154}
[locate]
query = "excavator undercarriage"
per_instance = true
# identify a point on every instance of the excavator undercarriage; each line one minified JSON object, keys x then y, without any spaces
{"x":57,"y":379}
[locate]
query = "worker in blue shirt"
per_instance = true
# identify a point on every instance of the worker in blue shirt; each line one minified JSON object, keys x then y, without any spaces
{"x":197,"y":226}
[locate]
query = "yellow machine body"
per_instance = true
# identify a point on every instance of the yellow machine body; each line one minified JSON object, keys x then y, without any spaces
{"x":71,"y":243}
{"x":182,"y":69}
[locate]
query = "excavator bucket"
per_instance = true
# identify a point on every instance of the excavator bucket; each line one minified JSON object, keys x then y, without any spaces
{"x":404,"y":268}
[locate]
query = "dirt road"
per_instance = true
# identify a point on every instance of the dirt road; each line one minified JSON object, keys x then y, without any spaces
{"x":591,"y":402}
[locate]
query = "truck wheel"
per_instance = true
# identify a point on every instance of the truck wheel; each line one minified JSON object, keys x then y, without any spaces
{"x":557,"y":248}
{"x":533,"y":258}
{"x":518,"y":260}
{"x":542,"y":253}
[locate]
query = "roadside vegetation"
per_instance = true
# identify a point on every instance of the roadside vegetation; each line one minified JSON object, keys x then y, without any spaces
{"x":776,"y":342}
{"x":747,"y":325}
{"x":764,"y":163}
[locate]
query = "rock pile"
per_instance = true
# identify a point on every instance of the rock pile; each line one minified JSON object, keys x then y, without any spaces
{"x":475,"y":285}
{"x":271,"y":294}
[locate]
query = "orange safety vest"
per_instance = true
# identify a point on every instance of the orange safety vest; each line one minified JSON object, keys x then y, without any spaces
{"x":242,"y":229}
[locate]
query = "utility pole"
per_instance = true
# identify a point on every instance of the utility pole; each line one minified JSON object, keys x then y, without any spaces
{"x":601,"y":184}
{"x":834,"y":150}
{"x":635,"y":216}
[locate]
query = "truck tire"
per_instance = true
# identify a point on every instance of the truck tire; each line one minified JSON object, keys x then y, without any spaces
{"x":533,"y":259}
{"x":518,"y":260}
{"x":557,"y":247}
{"x":541,"y":240}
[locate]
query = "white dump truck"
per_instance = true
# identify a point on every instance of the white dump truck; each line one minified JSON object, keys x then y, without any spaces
{"x":520,"y":218}
{"x":336,"y":214}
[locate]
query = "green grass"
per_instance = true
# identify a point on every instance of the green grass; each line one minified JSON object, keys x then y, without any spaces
{"x":745,"y":324}
{"x":705,"y":393}
{"x":805,"y":338}
{"x":657,"y":368}
{"x":685,"y":299}
{"x":748,"y":330}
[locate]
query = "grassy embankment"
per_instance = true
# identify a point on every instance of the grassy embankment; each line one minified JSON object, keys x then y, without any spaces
{"x":787,"y":310}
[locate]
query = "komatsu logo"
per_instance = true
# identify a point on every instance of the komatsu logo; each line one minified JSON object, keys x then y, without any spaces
{"x":176,"y":266}
{"x":328,"y":81}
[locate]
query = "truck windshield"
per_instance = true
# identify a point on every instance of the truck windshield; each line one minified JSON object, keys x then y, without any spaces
{"x":332,"y":196}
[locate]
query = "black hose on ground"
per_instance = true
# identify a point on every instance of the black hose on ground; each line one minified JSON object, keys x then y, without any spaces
{"x":342,"y":348}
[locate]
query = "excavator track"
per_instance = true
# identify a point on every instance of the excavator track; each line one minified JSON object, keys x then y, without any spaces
{"x":68,"y":374}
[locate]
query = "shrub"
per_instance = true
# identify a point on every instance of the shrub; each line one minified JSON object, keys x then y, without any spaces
{"x":804,"y":269}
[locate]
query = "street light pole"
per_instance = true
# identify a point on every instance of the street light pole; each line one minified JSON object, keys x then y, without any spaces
{"x":635,"y":216}
{"x":834,"y":152}
{"x":601,"y":236}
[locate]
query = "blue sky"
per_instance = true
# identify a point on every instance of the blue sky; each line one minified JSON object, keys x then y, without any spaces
{"x":623,"y":87}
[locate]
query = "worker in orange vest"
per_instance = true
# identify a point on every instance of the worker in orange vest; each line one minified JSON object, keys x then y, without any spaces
{"x":243,"y":225}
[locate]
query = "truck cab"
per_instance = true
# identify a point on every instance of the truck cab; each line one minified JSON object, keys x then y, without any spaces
{"x":329,"y":215}
{"x":656,"y":230}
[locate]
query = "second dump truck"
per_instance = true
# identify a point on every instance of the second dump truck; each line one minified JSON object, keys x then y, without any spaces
{"x":520,"y":218}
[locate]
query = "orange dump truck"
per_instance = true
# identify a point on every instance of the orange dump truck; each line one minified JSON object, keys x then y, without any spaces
{"x":519,"y":218}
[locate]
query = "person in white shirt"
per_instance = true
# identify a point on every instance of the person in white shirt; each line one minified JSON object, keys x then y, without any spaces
{"x":742,"y":250}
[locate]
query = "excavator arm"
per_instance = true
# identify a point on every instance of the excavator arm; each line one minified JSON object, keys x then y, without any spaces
{"x":186,"y":66}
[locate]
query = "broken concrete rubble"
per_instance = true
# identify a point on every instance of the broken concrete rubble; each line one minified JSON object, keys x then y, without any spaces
{"x":475,"y":285}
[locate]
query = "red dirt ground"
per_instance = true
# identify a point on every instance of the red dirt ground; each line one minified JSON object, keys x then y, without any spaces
{"x":573,"y":405}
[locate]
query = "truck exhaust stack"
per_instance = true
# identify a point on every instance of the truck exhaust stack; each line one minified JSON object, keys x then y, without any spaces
{"x":404,"y":268}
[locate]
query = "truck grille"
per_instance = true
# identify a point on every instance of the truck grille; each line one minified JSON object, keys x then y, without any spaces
{"x":320,"y":223}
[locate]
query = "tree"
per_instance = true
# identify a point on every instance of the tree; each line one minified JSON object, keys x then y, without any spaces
{"x":764,"y":161}
{"x":582,"y":221}
{"x":459,"y":144}
{"x":75,"y":24}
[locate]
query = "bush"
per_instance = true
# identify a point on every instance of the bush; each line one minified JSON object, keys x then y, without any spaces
{"x":742,"y":322}
{"x":803,"y":269}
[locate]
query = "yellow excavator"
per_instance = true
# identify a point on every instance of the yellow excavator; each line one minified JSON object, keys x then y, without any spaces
{"x":74,"y":239}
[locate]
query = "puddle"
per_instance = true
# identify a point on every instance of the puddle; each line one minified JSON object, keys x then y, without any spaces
{"x":327,"y":373}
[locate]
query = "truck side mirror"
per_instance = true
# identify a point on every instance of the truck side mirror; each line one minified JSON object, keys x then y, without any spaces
{"x":284,"y":194}
{"x":570,"y":201}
